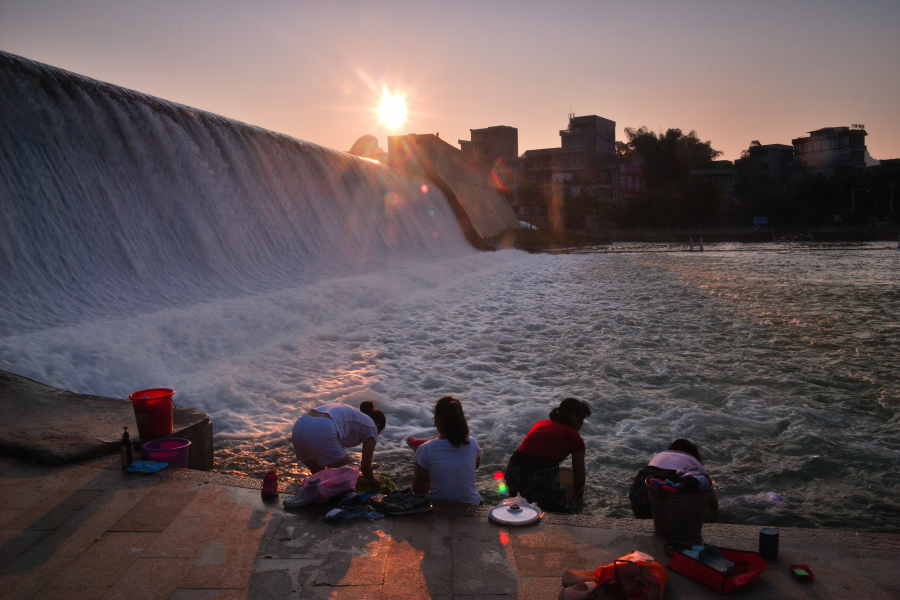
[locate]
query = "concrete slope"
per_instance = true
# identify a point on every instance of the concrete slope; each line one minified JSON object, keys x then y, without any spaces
{"x":471,"y":186}
{"x":52,"y":426}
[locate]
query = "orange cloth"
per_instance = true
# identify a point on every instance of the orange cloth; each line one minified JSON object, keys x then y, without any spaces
{"x":637,"y":577}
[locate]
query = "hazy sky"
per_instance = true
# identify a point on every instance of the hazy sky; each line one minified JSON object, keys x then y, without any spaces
{"x":735,"y":71}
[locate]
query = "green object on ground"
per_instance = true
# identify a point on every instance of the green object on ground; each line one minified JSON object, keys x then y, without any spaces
{"x":387,"y":486}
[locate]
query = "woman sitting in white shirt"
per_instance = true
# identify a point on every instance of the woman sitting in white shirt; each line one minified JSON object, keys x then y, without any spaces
{"x":445,"y":466}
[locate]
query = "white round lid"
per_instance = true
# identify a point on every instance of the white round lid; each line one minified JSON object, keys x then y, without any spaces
{"x":507,"y":516}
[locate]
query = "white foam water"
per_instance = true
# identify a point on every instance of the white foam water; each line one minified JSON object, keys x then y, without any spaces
{"x":149,"y":244}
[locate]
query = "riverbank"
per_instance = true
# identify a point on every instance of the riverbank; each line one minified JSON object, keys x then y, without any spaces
{"x":52,"y":426}
{"x":91,"y":531}
{"x":538,"y":240}
{"x":754,"y":235}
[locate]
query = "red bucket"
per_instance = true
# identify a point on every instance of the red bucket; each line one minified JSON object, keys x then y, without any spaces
{"x":153,"y":411}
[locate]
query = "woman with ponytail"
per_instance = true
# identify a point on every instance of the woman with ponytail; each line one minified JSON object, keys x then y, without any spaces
{"x":533,"y":469}
{"x":322,"y":434}
{"x":445,"y":466}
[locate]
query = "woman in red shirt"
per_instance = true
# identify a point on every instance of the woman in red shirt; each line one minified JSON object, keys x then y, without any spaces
{"x":533,"y":469}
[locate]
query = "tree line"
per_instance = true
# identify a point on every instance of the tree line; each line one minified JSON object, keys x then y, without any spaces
{"x":673,"y":199}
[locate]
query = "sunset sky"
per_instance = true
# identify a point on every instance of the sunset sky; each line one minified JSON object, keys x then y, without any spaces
{"x":733,"y":71}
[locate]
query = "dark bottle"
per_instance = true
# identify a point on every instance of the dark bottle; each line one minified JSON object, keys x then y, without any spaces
{"x":127,"y":450}
{"x":768,"y":543}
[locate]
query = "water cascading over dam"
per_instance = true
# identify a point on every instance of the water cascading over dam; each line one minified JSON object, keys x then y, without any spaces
{"x":115,"y":203}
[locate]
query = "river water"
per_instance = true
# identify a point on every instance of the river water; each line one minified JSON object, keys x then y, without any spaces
{"x":147,"y":244}
{"x":781,"y":362}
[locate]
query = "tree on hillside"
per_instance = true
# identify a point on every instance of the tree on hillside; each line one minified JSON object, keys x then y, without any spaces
{"x":577,"y":207}
{"x":752,"y":150}
{"x":669,"y":156}
{"x":672,"y":199}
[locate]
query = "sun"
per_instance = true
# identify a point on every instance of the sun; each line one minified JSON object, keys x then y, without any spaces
{"x":392,"y":110}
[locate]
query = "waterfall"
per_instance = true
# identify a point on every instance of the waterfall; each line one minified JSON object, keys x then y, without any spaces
{"x":115,"y":203}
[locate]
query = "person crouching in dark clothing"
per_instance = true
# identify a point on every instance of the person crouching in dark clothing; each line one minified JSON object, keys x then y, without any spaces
{"x":682,"y":456}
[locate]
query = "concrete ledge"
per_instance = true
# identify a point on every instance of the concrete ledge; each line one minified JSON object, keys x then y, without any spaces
{"x":748,"y":533}
{"x":93,"y":531}
{"x":53,"y":426}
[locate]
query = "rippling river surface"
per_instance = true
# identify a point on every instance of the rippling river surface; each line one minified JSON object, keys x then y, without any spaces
{"x":781,"y":362}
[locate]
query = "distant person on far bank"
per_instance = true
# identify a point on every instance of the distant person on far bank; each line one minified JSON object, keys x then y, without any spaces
{"x":680,"y":461}
{"x":533,"y":470}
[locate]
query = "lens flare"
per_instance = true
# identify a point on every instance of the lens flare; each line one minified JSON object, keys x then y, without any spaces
{"x":502,"y":488}
{"x":498,"y":475}
{"x":392,"y":110}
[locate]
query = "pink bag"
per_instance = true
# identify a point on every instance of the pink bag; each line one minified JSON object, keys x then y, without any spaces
{"x":330,"y":482}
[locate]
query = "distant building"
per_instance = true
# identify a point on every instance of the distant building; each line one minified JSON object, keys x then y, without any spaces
{"x":720,"y":173}
{"x":585,"y":161}
{"x":765,"y":174}
{"x":493,"y":145}
{"x":773,"y":163}
{"x":588,"y":143}
{"x":830,"y":148}
{"x":498,"y":147}
{"x":632,"y":180}
{"x":886,"y":166}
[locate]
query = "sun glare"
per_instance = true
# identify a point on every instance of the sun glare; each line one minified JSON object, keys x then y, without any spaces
{"x":392,"y":110}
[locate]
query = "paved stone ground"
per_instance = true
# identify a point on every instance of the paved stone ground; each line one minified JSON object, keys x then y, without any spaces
{"x":91,"y":531}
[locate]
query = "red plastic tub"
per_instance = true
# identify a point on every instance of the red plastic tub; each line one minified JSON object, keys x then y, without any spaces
{"x":169,"y":450}
{"x":747,"y":566}
{"x":153,"y":411}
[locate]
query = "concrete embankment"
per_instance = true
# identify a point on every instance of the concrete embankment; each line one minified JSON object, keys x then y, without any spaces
{"x":93,"y":531}
{"x":472,"y":187}
{"x":52,"y":426}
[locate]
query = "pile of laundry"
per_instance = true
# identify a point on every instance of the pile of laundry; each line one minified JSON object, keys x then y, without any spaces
{"x":636,"y":576}
{"x":689,"y":479}
{"x":368,"y":505}
{"x":399,"y":502}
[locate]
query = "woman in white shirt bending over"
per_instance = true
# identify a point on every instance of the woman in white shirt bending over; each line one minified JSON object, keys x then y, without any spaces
{"x":322,"y":435}
{"x":445,"y":466}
